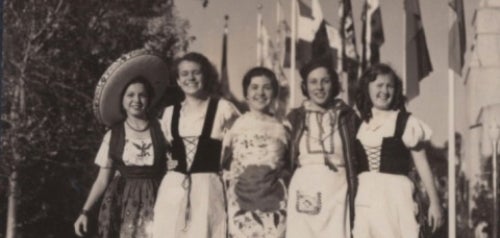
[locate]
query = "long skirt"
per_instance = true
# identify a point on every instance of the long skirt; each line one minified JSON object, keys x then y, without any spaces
{"x":195,"y":210}
{"x":127,"y":208}
{"x":318,"y":205}
{"x":385,"y":207}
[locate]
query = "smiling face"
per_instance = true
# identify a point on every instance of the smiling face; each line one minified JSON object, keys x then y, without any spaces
{"x":382,"y":91}
{"x":319,"y":86}
{"x":135,"y":100}
{"x":260,"y":93}
{"x":190,"y":78}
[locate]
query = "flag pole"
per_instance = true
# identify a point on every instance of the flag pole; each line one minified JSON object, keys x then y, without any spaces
{"x":451,"y":156}
{"x":259,"y":34}
{"x":293,"y":53}
{"x":405,"y":64}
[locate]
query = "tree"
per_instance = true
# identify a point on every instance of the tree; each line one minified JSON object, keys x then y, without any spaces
{"x":54,"y":54}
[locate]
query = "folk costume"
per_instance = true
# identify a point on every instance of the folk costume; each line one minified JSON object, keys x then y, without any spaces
{"x":127,"y":206}
{"x":191,"y":200}
{"x":321,"y":191}
{"x":256,"y":192}
{"x":384,"y":203}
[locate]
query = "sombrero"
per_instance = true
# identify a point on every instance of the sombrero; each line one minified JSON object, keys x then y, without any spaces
{"x":142,"y":62}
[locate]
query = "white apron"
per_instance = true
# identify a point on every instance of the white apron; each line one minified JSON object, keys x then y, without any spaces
{"x":207,"y":216}
{"x":318,"y":205}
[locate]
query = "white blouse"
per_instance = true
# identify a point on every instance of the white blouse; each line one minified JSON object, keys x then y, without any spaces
{"x":138,"y":151}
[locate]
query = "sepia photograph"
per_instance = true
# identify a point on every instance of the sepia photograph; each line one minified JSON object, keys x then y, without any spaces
{"x":249,"y":118}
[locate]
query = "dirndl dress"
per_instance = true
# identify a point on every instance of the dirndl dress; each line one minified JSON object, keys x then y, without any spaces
{"x":127,"y":206}
{"x":385,"y":205}
{"x":191,"y":199}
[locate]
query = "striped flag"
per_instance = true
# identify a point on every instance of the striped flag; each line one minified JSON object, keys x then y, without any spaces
{"x":456,"y":51}
{"x":373,"y":33}
{"x":418,"y":61}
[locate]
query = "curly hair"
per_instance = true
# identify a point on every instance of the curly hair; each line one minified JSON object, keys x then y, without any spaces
{"x":210,"y":75}
{"x":319,"y":63}
{"x":363,"y":101}
{"x":260,"y":71}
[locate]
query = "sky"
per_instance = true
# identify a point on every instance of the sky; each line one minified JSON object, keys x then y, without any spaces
{"x":431,"y":106}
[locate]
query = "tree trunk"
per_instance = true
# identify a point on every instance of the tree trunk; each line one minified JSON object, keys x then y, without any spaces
{"x":12,"y":213}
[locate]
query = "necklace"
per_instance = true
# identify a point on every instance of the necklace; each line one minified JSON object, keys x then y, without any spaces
{"x":135,"y":129}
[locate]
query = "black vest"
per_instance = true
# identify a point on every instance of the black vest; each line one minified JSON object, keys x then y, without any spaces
{"x":395,"y":157}
{"x":117,"y":143}
{"x":208,"y":151}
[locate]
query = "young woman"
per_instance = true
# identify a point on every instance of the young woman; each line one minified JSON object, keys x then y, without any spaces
{"x":389,"y":140}
{"x":190,"y":201}
{"x":323,"y":183}
{"x":136,"y":148}
{"x":254,"y":159}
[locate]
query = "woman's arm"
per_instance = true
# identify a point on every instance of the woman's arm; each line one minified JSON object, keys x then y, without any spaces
{"x":97,"y":190}
{"x":424,"y":171}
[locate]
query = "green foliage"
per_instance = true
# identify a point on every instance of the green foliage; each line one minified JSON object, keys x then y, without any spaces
{"x":54,"y":53}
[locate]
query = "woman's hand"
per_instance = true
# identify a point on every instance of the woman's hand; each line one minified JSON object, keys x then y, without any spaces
{"x":435,"y":216}
{"x":171,"y":164}
{"x":81,"y":225}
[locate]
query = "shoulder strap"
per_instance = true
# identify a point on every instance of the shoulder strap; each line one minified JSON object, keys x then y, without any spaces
{"x":401,"y":124}
{"x":210,"y":118}
{"x":117,"y":141}
{"x":159,"y":144}
{"x":174,"y":126}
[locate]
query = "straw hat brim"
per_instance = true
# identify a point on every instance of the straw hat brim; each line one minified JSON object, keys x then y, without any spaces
{"x":107,"y":101}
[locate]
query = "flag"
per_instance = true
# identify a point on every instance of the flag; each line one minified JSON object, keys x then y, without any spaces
{"x":282,"y":56}
{"x":349,"y":53}
{"x":373,"y":33}
{"x":267,"y":49}
{"x":266,"y":53}
{"x":348,"y":35}
{"x":224,"y":75}
{"x":326,"y":43}
{"x":315,"y":38}
{"x":418,"y":61}
{"x":456,"y":51}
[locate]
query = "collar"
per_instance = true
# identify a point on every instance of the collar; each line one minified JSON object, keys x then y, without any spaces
{"x":335,"y":105}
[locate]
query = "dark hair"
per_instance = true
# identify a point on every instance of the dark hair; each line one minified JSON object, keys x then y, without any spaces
{"x":147,"y":86}
{"x":363,"y":101}
{"x":319,"y":63}
{"x":210,"y":75}
{"x":260,"y":71}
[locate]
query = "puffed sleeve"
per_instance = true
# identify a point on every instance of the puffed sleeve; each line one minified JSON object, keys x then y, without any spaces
{"x":165,"y":122}
{"x":102,"y":159}
{"x":416,"y":131}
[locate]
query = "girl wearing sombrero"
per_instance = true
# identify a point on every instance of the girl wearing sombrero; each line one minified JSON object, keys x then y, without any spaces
{"x":134,"y":146}
{"x":191,"y":198}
